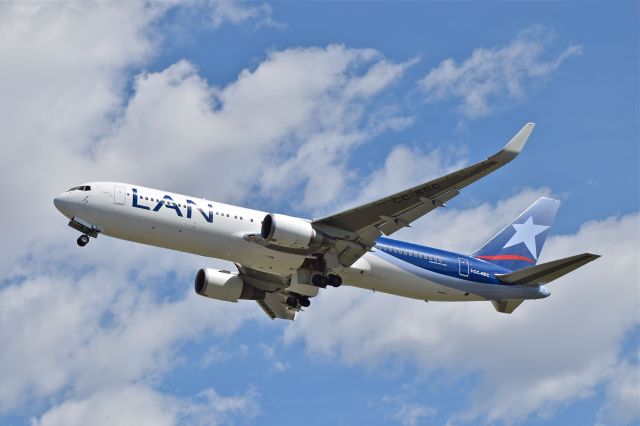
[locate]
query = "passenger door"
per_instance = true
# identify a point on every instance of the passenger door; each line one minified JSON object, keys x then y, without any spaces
{"x":463,"y":267}
{"x":119,"y":194}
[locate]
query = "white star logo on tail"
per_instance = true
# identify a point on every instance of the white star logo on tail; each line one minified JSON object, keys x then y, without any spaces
{"x":526,"y":233}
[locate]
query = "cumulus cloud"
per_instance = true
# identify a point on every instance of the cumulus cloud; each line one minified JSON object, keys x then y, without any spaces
{"x":622,"y":399}
{"x":404,"y":167}
{"x":547,"y":354}
{"x":404,"y":410}
{"x":299,"y":111}
{"x":238,"y":12}
{"x":138,"y":404}
{"x":71,"y":117}
{"x":492,"y":76}
{"x":72,"y":316}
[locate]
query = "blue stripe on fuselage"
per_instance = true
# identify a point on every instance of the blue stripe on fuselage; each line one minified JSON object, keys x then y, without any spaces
{"x":441,"y":261}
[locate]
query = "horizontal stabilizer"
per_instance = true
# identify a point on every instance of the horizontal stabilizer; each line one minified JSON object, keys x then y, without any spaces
{"x":506,"y":306}
{"x":547,"y":272}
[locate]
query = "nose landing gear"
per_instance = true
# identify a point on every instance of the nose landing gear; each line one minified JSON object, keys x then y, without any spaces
{"x":83,"y":240}
{"x":86,"y":228}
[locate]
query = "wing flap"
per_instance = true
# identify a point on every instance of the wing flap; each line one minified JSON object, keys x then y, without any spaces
{"x":405,"y":219}
{"x":547,"y":272}
{"x":275,"y":286}
{"x":274,"y":306}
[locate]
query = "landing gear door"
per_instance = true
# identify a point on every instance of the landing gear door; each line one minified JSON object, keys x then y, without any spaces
{"x":119,"y":194}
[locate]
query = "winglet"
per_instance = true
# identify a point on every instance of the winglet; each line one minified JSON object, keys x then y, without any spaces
{"x":515,"y":145}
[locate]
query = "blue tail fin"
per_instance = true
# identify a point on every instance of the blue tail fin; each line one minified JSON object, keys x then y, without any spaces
{"x":519,"y":245}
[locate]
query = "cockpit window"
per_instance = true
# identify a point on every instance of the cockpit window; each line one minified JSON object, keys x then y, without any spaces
{"x":80,"y":188}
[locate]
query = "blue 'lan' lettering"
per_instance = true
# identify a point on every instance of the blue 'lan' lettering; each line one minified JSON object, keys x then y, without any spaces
{"x":169,"y":205}
{"x":135,"y":200}
{"x":208,"y":218}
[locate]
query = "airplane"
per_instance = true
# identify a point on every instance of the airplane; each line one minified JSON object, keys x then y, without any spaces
{"x":283,"y":261}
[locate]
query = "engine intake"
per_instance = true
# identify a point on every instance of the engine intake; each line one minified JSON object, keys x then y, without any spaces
{"x":225,"y":285}
{"x":290,"y":232}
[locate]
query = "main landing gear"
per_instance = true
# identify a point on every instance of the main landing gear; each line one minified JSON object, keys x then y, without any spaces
{"x":83,"y":240}
{"x":294,"y":299}
{"x":323,"y":281}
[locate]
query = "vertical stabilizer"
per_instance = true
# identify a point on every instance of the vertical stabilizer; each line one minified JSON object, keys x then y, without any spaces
{"x":519,"y":245}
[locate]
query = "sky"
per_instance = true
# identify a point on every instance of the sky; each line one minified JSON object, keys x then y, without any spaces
{"x":307,"y":108}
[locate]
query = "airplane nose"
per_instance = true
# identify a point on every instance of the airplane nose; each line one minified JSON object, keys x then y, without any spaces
{"x":62,"y":203}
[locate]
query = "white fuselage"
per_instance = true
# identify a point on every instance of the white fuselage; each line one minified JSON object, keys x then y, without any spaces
{"x":207,"y":228}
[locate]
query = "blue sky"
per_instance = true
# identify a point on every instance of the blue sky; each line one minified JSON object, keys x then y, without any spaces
{"x":305,"y":108}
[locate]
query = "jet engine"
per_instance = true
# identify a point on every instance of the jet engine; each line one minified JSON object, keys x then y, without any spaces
{"x":225,"y":285}
{"x":290,"y":232}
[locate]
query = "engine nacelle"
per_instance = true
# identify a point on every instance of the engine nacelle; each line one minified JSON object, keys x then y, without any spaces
{"x":225,"y":285}
{"x":289,"y":231}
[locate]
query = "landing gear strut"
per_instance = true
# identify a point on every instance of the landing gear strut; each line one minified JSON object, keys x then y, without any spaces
{"x":83,"y":240}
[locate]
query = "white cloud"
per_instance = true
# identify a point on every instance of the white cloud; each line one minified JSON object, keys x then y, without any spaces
{"x":622,"y":399}
{"x":93,"y":319}
{"x":238,"y":12}
{"x":138,"y":404}
{"x":216,"y":355}
{"x":404,"y":410}
{"x":69,"y":118}
{"x":491,"y":77}
{"x":83,"y":332}
{"x":547,"y":354}
{"x":405,"y":167}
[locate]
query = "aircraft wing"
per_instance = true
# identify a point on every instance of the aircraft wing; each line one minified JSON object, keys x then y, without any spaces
{"x":275,"y":287}
{"x":357,"y":229}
